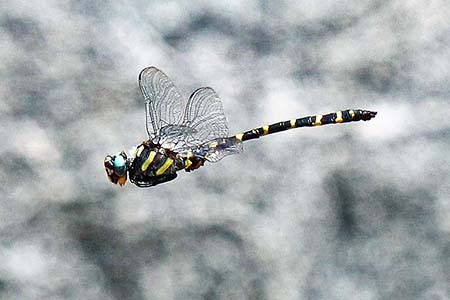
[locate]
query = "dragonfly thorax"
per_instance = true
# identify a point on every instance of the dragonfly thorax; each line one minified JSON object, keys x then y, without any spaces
{"x":153,"y":164}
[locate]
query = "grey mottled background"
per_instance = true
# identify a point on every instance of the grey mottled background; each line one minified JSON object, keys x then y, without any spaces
{"x":355,"y":211}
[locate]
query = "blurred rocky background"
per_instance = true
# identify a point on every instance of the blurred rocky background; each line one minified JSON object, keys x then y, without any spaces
{"x":354,"y":211}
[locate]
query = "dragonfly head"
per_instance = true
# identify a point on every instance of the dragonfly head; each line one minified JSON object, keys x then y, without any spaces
{"x":116,"y":168}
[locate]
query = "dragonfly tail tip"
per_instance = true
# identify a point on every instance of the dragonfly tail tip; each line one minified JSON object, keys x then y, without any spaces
{"x":367,"y":115}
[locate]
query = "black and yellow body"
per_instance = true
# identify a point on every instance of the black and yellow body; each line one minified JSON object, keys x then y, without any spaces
{"x":183,"y":135}
{"x":344,"y":116}
{"x":153,"y":165}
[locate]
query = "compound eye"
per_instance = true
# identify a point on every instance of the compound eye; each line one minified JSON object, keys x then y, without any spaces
{"x":119,"y":165}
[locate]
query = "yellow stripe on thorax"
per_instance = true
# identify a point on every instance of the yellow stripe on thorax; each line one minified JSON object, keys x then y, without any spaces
{"x":148,"y":161}
{"x":164,"y":167}
{"x":293,"y":123}
{"x":318,"y":120}
{"x":339,"y":117}
{"x":139,"y":150}
{"x":266,"y":129}
{"x":239,"y":136}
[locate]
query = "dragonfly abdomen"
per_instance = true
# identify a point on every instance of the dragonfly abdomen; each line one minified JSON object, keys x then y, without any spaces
{"x":344,"y":116}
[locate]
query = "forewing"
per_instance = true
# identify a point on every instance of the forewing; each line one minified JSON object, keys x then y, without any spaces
{"x":163,"y":103}
{"x":177,"y":138}
{"x":201,"y":127}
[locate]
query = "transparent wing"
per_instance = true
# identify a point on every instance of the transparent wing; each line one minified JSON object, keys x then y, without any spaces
{"x":163,"y":103}
{"x":178,"y":138}
{"x":205,"y":128}
{"x":203,"y":121}
{"x":200,"y":126}
{"x":204,"y":114}
{"x":215,"y":150}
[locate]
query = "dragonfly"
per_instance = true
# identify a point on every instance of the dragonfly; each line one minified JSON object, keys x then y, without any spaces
{"x":184,"y":134}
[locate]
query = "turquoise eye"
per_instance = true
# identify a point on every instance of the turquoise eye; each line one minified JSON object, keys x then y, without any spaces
{"x":119,"y":162}
{"x":119,"y":165}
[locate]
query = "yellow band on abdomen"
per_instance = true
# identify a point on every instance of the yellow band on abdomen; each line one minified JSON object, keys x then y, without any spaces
{"x":352,"y":114}
{"x":339,"y":117}
{"x":187,"y":163}
{"x":318,"y":120}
